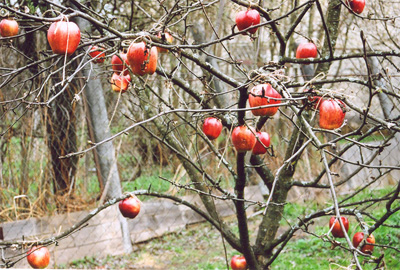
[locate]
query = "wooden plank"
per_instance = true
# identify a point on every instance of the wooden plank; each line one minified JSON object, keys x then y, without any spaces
{"x":62,"y":222}
{"x":63,"y":255}
{"x":161,"y":216}
{"x":48,"y":226}
{"x":94,"y":234}
{"x":103,"y":237}
{"x":145,"y":235}
{"x":225,"y":208}
{"x":156,"y":218}
{"x":18,"y":229}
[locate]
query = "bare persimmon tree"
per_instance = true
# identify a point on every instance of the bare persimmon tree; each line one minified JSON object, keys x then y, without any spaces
{"x":338,"y":114}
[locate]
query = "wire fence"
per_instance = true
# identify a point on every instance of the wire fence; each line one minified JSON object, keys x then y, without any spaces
{"x":42,"y":195}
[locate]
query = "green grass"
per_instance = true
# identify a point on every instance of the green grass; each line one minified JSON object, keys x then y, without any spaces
{"x":201,"y":247}
{"x":375,"y":137}
{"x":151,"y":181}
{"x":91,"y":187}
{"x":312,"y":253}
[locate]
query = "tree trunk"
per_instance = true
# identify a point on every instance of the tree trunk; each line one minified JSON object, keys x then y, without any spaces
{"x":388,"y":108}
{"x":61,"y":140}
{"x":332,"y":18}
{"x":195,"y":176}
{"x":222,"y":100}
{"x":270,"y":223}
{"x":97,"y":113}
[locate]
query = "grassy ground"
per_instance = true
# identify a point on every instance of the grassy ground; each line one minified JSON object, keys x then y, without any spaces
{"x":201,"y":247}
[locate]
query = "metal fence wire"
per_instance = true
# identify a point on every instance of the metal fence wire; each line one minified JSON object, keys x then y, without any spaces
{"x":43,"y":195}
